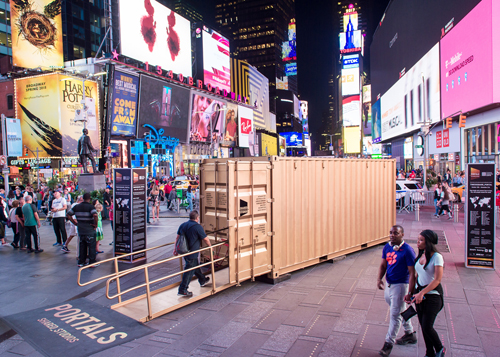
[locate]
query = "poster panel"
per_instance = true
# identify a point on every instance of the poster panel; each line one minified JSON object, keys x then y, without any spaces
{"x":14,"y":137}
{"x":351,"y":111}
{"x":376,"y":122}
{"x":207,"y":118}
{"x":245,"y":127}
{"x":350,"y":81}
{"x":37,"y":33}
{"x":231,"y":125}
{"x":352,"y":140}
{"x":124,"y":104}
{"x":216,"y":60}
{"x":480,"y":216}
{"x":269,"y":145}
{"x":139,"y":214}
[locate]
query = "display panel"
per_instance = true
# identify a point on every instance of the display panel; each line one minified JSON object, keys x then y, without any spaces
{"x":207,"y":119}
{"x":163,"y":107}
{"x":466,"y":62}
{"x":376,"y":122}
{"x":292,"y":138}
{"x":291,"y":69}
{"x":350,"y":41}
{"x":216,"y":60}
{"x":367,"y":110}
{"x":352,"y":140}
{"x":269,"y":145}
{"x":151,"y":32}
{"x":350,"y":81}
{"x":282,"y":83}
{"x":231,"y":124}
{"x":37,"y":33}
{"x":351,"y":111}
{"x":125,"y":97}
{"x":350,"y":20}
{"x":289,"y":48}
{"x":350,"y":61}
{"x":245,"y":127}
{"x":14,"y":137}
{"x":367,"y":145}
{"x":258,"y":86}
{"x":414,"y":97}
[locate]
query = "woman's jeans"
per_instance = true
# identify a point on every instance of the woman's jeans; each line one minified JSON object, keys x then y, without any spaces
{"x":436,"y":205}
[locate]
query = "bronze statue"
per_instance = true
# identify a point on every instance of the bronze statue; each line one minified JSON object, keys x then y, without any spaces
{"x":85,"y":150}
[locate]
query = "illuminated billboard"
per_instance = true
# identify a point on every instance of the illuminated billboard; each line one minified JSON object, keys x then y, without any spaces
{"x":37,"y":36}
{"x":376,"y":123}
{"x":350,"y":41}
{"x":207,"y":119}
{"x":352,"y":140}
{"x":291,"y":69}
{"x":367,"y":110}
{"x":467,"y":65}
{"x":289,"y":47}
{"x":350,"y":81}
{"x":292,"y":138}
{"x":414,"y":97}
{"x":47,"y":106}
{"x":304,"y":115}
{"x":350,"y":21}
{"x":282,"y":83}
{"x":151,"y":32}
{"x":350,"y":61}
{"x":351,"y":111}
{"x":125,"y":96}
{"x":216,"y":60}
{"x":245,"y":127}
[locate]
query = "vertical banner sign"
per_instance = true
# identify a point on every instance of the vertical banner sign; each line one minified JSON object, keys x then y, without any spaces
{"x":480,"y":216}
{"x":14,"y":137}
{"x":129,"y":209}
{"x":124,"y":104}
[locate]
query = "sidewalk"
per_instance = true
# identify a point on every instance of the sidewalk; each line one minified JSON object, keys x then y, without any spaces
{"x":325,"y":310}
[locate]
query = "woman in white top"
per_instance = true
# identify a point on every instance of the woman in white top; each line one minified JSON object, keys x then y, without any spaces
{"x":428,"y":290}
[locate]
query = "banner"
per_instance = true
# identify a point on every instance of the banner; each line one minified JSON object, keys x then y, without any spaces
{"x":36,"y":33}
{"x":124,"y":104}
{"x":480,"y":216}
{"x":14,"y":137}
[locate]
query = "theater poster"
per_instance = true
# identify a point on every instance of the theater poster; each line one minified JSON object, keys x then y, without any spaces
{"x":37,"y":36}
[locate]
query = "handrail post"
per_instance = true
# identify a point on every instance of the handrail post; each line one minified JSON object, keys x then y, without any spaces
{"x":148,"y":292}
{"x":182,"y":268}
{"x":118,"y":288}
{"x":213,"y":269}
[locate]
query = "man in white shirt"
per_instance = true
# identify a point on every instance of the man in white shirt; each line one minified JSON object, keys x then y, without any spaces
{"x":59,"y":206}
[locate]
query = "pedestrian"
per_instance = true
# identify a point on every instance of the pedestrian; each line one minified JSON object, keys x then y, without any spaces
{"x":168,"y":189}
{"x":4,"y":214}
{"x":189,"y":197}
{"x":71,"y":228}
{"x":428,"y":290}
{"x":106,"y":199}
{"x":67,"y":196}
{"x":447,"y":176}
{"x":86,"y":220}
{"x":20,"y":224}
{"x":172,"y":197}
{"x":31,"y":225}
{"x":445,"y":197}
{"x":194,"y":234}
{"x":39,"y":200}
{"x":155,"y":201}
{"x":398,"y":260}
{"x":14,"y":224}
{"x":111,"y":215}
{"x":59,"y":206}
{"x":456,"y":180}
{"x":437,"y":197}
{"x":99,"y":233}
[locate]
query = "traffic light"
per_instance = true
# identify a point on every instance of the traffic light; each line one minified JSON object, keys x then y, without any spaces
{"x":461,"y":121}
{"x":25,"y":150}
{"x":447,"y":124}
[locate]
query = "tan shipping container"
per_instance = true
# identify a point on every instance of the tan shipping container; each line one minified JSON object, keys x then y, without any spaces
{"x":285,"y":214}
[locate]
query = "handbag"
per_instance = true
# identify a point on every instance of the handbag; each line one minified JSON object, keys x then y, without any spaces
{"x":409,"y":313}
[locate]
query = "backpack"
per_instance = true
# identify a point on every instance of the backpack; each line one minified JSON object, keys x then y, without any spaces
{"x":181,"y":245}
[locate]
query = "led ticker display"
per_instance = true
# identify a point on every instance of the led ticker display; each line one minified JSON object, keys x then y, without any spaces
{"x":291,"y":69}
{"x":350,"y":81}
{"x":350,"y":61}
{"x":216,"y":61}
{"x":350,"y":41}
{"x":151,"y":32}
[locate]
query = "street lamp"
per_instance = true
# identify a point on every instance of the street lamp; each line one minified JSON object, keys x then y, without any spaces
{"x":331,"y":141}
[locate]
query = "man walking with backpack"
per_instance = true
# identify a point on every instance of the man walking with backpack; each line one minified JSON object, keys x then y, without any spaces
{"x":194,"y":234}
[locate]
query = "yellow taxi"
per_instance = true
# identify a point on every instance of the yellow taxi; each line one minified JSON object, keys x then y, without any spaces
{"x":459,"y":192}
{"x":184,"y":184}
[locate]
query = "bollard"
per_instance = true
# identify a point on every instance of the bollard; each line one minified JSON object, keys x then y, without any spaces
{"x":455,"y":213}
{"x":417,"y":212}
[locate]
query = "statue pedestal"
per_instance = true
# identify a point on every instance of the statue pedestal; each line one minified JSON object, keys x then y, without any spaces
{"x":91,"y":182}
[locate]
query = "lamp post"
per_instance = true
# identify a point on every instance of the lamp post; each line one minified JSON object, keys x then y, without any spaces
{"x":331,"y":141}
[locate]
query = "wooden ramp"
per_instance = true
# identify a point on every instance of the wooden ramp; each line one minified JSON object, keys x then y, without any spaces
{"x":166,"y":299}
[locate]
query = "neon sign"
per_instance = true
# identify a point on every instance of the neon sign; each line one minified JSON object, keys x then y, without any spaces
{"x":155,"y":137}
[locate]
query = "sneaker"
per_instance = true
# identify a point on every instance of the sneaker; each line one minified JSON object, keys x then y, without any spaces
{"x":437,"y":216}
{"x":14,"y":245}
{"x":95,"y":266}
{"x":111,"y":243}
{"x":30,"y":251}
{"x":207,"y":280}
{"x":185,"y":293}
{"x":80,"y":265}
{"x":38,"y":250}
{"x":410,"y":338}
{"x":56,"y":244}
{"x":441,"y":352}
{"x":386,"y":350}
{"x":65,"y":249}
{"x":450,"y":218}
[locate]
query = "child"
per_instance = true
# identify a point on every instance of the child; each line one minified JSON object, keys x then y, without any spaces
{"x":99,"y":232}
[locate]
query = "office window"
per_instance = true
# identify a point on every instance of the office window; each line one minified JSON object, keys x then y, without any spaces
{"x":78,"y":32}
{"x":95,"y":20}
{"x":3,"y":39}
{"x":77,"y":12}
{"x":10,"y":101}
{"x":78,"y":52}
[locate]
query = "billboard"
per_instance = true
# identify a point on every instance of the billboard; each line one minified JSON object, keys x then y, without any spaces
{"x":304,"y":115}
{"x":350,"y":61}
{"x":124,"y":104}
{"x":291,"y":69}
{"x":351,"y":111}
{"x":282,"y":83}
{"x":350,"y":81}
{"x":207,"y":119}
{"x":54,"y":131}
{"x":376,"y":122}
{"x":163,"y":108}
{"x":350,"y":20}
{"x":352,"y":140}
{"x":367,"y":110}
{"x":467,"y":62}
{"x":367,"y":145}
{"x":296,"y":106}
{"x":245,"y":127}
{"x":14,"y":137}
{"x":351,"y":41}
{"x":231,"y":124}
{"x":289,"y":48}
{"x":258,"y":86}
{"x":292,"y":138}
{"x":269,"y":145}
{"x":414,"y":97}
{"x":216,"y":61}
{"x":37,"y":36}
{"x":151,"y":32}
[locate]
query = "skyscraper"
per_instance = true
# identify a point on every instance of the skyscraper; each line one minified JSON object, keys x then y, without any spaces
{"x":187,"y":10}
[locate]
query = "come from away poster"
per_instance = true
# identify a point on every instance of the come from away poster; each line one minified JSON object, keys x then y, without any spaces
{"x":124,"y":108}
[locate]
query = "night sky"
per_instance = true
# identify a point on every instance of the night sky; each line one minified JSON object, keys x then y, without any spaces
{"x":316,"y":38}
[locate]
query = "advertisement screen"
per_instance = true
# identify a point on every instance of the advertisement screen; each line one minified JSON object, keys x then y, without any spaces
{"x":376,"y":122}
{"x":466,"y":62}
{"x":216,"y":61}
{"x":289,"y":48}
{"x":207,"y":119}
{"x":245,"y":127}
{"x":14,"y":137}
{"x":414,"y":97}
{"x":151,"y":32}
{"x":269,"y":145}
{"x":292,"y":138}
{"x":56,"y":135}
{"x":259,"y":97}
{"x":350,"y":81}
{"x":282,"y":83}
{"x":291,"y":69}
{"x":350,"y":21}
{"x":296,"y":106}
{"x":367,"y":110}
{"x":163,"y":109}
{"x":352,"y":140}
{"x":124,"y":104}
{"x":37,"y":35}
{"x":231,"y":124}
{"x":350,"y":41}
{"x":351,"y":112}
{"x":350,"y":61}
{"x":367,"y":145}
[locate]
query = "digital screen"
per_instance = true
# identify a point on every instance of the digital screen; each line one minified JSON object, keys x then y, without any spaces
{"x":414,"y":97}
{"x":367,"y":93}
{"x":124,"y":104}
{"x":216,"y":60}
{"x":291,"y":69}
{"x":292,"y":138}
{"x":151,"y":32}
{"x":367,"y":111}
{"x":350,"y":61}
{"x":376,"y":122}
{"x":245,"y":127}
{"x":350,"y":81}
{"x":351,"y":111}
{"x":350,"y":41}
{"x":350,"y":21}
{"x":258,"y":86}
{"x":231,"y":124}
{"x":282,"y":83}
{"x":163,"y":108}
{"x":367,"y":145}
{"x":467,"y":62}
{"x":296,"y":106}
{"x":352,"y":140}
{"x":289,"y":51}
{"x":207,"y":119}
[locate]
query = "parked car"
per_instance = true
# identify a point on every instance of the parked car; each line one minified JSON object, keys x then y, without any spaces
{"x":404,"y":188}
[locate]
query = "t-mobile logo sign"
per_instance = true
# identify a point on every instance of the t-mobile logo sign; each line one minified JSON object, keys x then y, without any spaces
{"x":246,"y":125}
